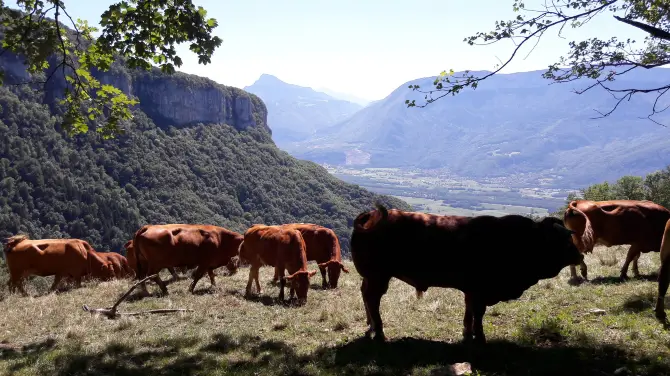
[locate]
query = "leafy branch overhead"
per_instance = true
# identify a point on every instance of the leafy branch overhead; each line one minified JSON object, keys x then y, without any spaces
{"x":144,"y":32}
{"x":601,"y":60}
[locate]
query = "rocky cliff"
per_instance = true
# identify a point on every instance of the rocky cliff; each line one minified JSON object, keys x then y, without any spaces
{"x":169,"y":100}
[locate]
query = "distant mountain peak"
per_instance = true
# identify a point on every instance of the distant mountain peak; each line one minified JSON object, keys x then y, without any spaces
{"x":268,"y":79}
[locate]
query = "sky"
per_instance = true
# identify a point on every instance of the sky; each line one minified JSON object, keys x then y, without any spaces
{"x":366,"y":48}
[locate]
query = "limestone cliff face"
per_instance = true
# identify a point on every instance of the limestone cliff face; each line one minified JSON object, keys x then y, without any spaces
{"x":169,"y":100}
{"x":182,"y":99}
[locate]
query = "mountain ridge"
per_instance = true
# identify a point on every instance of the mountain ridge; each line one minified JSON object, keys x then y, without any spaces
{"x":516,"y":124}
{"x":296,"y":112}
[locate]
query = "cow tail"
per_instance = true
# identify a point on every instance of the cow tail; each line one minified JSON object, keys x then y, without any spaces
{"x":586,"y":241}
{"x":138,"y":249}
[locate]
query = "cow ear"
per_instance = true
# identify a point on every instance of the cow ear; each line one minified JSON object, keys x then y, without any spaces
{"x":311,"y":274}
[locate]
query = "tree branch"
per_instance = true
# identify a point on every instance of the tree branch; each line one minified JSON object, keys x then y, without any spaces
{"x":112,"y":313}
{"x":470,"y":80}
{"x":655,"y":32}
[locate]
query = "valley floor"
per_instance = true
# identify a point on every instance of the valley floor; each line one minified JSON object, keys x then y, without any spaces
{"x":598,"y":328}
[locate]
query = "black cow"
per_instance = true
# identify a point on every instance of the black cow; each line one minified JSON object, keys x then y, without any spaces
{"x":476,"y":255}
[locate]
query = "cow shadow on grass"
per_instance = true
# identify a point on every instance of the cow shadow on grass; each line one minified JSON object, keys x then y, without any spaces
{"x":615,"y":280}
{"x":266,"y":300}
{"x":246,"y":354}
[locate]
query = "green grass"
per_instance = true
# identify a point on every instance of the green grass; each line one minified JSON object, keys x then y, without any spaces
{"x":438,"y":207}
{"x":550,"y":330}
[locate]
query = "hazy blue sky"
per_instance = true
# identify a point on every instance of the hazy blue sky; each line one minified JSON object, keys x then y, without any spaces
{"x":361,"y":47}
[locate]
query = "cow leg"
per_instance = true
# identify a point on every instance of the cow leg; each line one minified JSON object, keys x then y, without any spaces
{"x":256,"y":278}
{"x":17,"y":283}
{"x":372,"y":290}
{"x":573,"y":272}
{"x":54,"y":285}
{"x":253,"y":274}
{"x":175,"y":276}
{"x":275,"y":278}
{"x":324,"y":282}
{"x":159,"y":282}
{"x":282,"y":281}
{"x":636,"y":269}
{"x":468,"y":319}
{"x":584,"y":270}
{"x":663,"y":282}
{"x":199,"y":273}
{"x":633,"y":253}
{"x":478,"y":311}
{"x":211,"y":274}
{"x":77,"y":282}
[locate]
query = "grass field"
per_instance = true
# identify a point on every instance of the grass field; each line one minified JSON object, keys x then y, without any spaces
{"x":601,"y":327}
{"x":438,"y":207}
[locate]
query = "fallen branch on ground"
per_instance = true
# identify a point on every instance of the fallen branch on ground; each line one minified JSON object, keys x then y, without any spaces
{"x":112,"y":312}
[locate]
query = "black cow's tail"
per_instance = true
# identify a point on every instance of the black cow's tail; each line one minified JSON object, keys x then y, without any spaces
{"x":138,"y":249}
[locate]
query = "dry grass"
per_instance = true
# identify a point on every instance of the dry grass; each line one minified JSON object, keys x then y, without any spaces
{"x":550,"y":330}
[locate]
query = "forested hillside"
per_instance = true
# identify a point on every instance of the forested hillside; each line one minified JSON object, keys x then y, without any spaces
{"x":104,"y":190}
{"x":654,"y":187}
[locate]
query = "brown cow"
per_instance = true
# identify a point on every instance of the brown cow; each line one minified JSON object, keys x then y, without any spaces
{"x":323,"y":246}
{"x":132,"y":261}
{"x":205,"y":247}
{"x":61,"y":258}
{"x":471,"y":254}
{"x":282,"y":248}
{"x":663,"y":274}
{"x":119,"y":264}
{"x":618,"y":222}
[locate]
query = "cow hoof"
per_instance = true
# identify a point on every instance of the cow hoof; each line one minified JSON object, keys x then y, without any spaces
{"x":574,"y":281}
{"x":660,"y":315}
{"x":479,"y":341}
{"x":375,"y":336}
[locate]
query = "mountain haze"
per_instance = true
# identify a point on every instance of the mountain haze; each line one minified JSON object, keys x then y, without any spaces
{"x":511,"y":125}
{"x":297,"y":112}
{"x":344,"y":96}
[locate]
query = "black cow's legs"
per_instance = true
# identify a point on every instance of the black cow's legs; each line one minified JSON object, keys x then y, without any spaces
{"x":372,"y":290}
{"x":473,"y":318}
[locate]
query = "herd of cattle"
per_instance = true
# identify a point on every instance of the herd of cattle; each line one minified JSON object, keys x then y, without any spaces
{"x":490,"y":259}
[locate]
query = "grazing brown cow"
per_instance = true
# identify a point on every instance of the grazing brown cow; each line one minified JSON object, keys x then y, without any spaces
{"x":282,"y":248}
{"x":62,"y":258}
{"x":119,"y":264}
{"x":204,"y":247}
{"x":132,"y":261}
{"x":664,"y":274}
{"x":471,"y":254}
{"x":618,"y":222}
{"x":322,"y":247}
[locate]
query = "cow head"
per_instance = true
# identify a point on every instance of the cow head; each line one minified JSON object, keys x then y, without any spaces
{"x":300,"y":281}
{"x":334,"y":269}
{"x":561,"y":249}
{"x":233,"y":265}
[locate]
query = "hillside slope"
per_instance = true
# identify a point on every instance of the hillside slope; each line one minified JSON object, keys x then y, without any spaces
{"x":297,"y":112}
{"x":512,"y":124}
{"x":192,"y":168}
